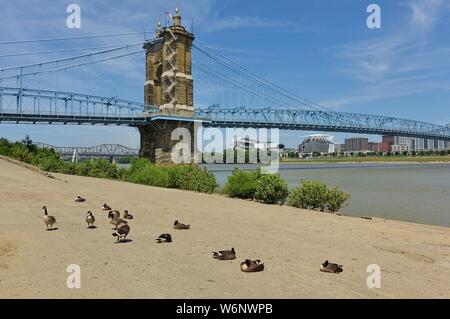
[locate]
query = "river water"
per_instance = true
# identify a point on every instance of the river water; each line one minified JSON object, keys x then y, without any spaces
{"x":409,"y":192}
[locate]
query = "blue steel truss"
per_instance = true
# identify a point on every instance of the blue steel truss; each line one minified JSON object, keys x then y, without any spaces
{"x":103,"y":150}
{"x":309,"y":120}
{"x":40,"y":106}
{"x":30,"y":105}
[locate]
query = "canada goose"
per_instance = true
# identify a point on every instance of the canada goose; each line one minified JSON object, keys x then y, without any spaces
{"x":178,"y":225}
{"x":105,"y":207}
{"x":90,"y":219}
{"x":79,"y":199}
{"x":48,"y":220}
{"x":164,"y":238}
{"x":115,"y":213}
{"x":330,"y":267}
{"x":122,"y":232}
{"x":116,"y":221}
{"x":127,"y":215}
{"x":252,"y":265}
{"x":225,"y":254}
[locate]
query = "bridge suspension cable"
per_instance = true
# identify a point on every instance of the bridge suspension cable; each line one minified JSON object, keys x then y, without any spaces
{"x":144,"y":32}
{"x":71,"y":58}
{"x":71,"y":66}
{"x":218,"y":57}
{"x":220,"y":76}
{"x":59,"y":51}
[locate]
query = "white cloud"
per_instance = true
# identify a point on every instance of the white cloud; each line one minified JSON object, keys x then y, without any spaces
{"x":397,"y":63}
{"x":425,"y":13}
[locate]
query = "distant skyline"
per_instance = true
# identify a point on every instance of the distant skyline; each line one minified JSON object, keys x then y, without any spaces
{"x":320,"y":50}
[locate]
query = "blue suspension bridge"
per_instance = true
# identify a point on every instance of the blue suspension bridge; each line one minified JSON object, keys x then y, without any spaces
{"x":263,"y":105}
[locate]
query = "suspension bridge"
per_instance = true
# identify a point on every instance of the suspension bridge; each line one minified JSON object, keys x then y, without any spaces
{"x":169,"y":97}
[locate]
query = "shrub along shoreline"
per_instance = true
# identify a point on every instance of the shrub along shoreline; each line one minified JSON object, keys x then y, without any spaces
{"x":268,"y":189}
{"x":272,"y":189}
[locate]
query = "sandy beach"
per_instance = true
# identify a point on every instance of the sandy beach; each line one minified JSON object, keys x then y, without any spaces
{"x":414,"y":258}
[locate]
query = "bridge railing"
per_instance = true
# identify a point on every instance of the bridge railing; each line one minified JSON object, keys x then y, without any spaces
{"x":322,"y":121}
{"x":51,"y":103}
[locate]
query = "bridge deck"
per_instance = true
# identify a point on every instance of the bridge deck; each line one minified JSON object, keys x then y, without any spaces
{"x":38,"y":106}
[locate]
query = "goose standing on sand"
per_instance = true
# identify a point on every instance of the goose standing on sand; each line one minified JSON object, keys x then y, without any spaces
{"x":225,"y":254}
{"x":105,"y":207}
{"x":178,"y":225}
{"x":122,"y":232}
{"x":127,"y":215}
{"x":252,"y":265}
{"x":48,"y":220}
{"x":331,"y":267}
{"x":115,"y":220}
{"x":164,"y":238}
{"x":79,"y":199}
{"x":90,"y":219}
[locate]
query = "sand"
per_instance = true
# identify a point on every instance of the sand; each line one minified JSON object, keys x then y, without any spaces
{"x":414,"y":259}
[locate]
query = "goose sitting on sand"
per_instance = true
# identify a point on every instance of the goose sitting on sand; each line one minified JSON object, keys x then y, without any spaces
{"x":127,"y":215}
{"x":116,"y":221}
{"x":164,"y":238}
{"x":225,"y":254}
{"x":79,"y":199}
{"x":330,"y":267}
{"x":252,"y":265}
{"x":122,"y":232}
{"x":178,"y":225}
{"x":90,"y":219}
{"x":105,"y":207}
{"x":48,"y":220}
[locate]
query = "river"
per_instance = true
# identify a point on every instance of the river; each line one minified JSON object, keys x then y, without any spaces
{"x":409,"y":192}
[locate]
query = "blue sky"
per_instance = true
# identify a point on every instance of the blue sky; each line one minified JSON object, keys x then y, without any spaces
{"x":321,"y":50}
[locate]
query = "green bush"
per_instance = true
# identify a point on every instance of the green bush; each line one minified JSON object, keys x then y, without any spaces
{"x":336,"y":199}
{"x":311,"y":195}
{"x":144,"y":172}
{"x":21,"y":153}
{"x":271,"y":189}
{"x":188,"y":177}
{"x":242,"y":184}
{"x":97,"y":168}
{"x":315,"y":195}
{"x":5,"y":147}
{"x":192,"y":177}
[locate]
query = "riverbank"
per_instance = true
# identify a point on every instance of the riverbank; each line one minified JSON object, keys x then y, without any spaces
{"x":414,"y":259}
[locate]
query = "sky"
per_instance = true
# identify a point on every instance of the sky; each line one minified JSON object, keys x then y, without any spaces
{"x":320,"y":50}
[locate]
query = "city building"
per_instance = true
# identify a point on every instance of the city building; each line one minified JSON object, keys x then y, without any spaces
{"x":317,"y":143}
{"x":375,"y":147}
{"x":400,"y":148}
{"x":386,"y":142}
{"x":245,"y":143}
{"x":412,"y":144}
{"x":356,"y":144}
{"x":339,"y":148}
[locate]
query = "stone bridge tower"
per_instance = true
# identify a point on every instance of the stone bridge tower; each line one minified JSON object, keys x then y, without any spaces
{"x":169,"y":82}
{"x":169,"y":86}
